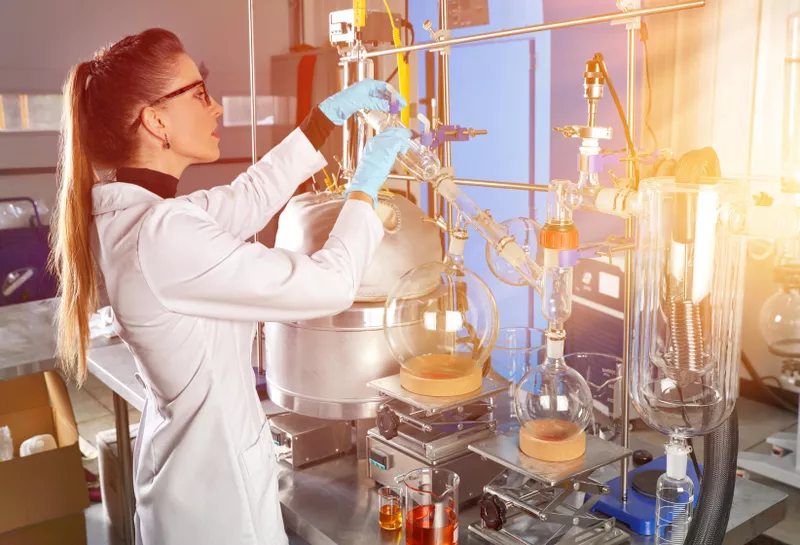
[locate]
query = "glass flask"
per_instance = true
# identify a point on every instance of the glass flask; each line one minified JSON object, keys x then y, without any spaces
{"x":526,"y":233}
{"x":553,"y":404}
{"x":431,"y":506}
{"x":441,"y":323}
{"x":687,"y":310}
{"x":674,"y":497}
{"x":780,"y":315}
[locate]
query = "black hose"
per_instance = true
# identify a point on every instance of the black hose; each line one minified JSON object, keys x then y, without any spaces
{"x":710,"y":521}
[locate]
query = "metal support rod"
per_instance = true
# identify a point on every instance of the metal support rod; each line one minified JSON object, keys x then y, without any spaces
{"x":484,"y":183}
{"x":125,"y":466}
{"x":606,"y":18}
{"x":254,"y":151}
{"x":626,"y":362}
{"x":444,"y":104}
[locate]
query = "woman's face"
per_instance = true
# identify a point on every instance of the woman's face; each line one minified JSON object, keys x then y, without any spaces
{"x":190,"y":118}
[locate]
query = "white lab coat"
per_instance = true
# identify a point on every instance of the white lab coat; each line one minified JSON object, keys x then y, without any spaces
{"x":187,"y":289}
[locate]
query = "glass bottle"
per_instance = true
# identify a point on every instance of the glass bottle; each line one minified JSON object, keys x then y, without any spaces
{"x":674,"y":497}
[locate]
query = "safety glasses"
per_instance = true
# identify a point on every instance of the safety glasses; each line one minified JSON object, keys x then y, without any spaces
{"x":205,"y":97}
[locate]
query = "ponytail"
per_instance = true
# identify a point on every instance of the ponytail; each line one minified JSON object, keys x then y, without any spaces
{"x":71,"y":256}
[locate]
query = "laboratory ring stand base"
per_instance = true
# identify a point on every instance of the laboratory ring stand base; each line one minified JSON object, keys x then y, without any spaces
{"x":541,"y":503}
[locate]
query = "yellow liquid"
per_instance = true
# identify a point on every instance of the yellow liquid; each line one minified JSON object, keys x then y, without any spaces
{"x":441,"y":366}
{"x":391,"y":517}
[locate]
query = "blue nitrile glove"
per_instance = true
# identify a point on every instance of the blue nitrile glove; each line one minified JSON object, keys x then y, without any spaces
{"x":364,"y":95}
{"x":377,"y":160}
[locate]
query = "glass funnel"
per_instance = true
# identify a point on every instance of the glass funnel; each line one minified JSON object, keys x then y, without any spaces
{"x":553,"y":404}
{"x":688,"y":279}
{"x":431,"y":506}
{"x":440,"y":322}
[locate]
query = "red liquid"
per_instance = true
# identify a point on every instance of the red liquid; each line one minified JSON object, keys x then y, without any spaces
{"x":420,"y":530}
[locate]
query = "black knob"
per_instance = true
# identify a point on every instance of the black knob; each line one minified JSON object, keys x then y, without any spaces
{"x":641,"y":457}
{"x":493,"y":512}
{"x":388,"y":422}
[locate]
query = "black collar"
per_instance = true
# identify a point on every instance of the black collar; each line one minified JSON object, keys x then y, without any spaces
{"x":163,"y":185}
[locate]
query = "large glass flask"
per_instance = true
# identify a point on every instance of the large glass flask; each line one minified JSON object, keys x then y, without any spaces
{"x":431,"y":506}
{"x":688,"y":279}
{"x":554,"y":406}
{"x":441,"y":323}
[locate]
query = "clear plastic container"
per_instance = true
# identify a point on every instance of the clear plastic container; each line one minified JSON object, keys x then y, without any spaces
{"x":688,"y":279}
{"x":674,"y":498}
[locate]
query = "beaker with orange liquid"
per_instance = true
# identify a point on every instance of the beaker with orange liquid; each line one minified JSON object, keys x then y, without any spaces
{"x":390,"y":508}
{"x":431,"y":506}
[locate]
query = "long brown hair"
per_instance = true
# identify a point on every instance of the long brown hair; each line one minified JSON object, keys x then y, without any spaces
{"x":102,"y":100}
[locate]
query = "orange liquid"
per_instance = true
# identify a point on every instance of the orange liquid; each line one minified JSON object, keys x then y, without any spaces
{"x":391,"y":517}
{"x":552,"y":430}
{"x":420,"y":530}
{"x":441,"y":366}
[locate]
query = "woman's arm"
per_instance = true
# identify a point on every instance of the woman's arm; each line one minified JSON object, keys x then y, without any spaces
{"x":245,"y":206}
{"x":194,"y":267}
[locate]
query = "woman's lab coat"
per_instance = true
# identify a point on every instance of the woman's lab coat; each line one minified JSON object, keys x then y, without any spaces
{"x":187,"y":289}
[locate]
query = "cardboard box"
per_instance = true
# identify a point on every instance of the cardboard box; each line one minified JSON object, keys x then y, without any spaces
{"x":110,"y":482}
{"x":49,"y":487}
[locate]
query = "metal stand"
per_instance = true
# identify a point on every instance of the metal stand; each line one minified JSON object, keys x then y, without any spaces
{"x":422,"y":431}
{"x":530,"y":502}
{"x":125,"y":466}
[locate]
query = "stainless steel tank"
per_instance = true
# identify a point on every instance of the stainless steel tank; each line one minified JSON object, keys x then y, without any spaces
{"x":321,"y":367}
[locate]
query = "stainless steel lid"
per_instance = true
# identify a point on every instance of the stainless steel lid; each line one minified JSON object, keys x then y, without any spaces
{"x":408,"y":242}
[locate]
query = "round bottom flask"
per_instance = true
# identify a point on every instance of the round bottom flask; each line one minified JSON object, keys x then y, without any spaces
{"x":554,"y":405}
{"x":441,"y":324}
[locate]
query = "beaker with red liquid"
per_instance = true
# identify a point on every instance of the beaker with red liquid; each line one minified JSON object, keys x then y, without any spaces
{"x":431,"y":506}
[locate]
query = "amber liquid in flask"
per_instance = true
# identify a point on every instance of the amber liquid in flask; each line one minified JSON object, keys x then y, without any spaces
{"x":422,"y":528}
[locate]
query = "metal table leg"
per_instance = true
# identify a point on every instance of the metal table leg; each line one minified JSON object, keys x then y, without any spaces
{"x":125,"y":466}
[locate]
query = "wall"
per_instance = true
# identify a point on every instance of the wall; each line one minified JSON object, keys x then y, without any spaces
{"x":37,"y":48}
{"x":718,"y":81}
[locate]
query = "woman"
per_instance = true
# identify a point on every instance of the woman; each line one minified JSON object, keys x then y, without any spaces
{"x":185,"y":286}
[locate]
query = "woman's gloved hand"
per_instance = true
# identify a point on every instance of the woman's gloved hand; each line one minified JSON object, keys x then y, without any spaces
{"x":377,"y":160}
{"x":364,"y":95}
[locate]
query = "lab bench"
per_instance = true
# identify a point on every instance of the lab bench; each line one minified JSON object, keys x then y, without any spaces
{"x":331,"y":503}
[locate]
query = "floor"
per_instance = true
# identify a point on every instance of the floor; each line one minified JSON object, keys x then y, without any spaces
{"x":94,"y":412}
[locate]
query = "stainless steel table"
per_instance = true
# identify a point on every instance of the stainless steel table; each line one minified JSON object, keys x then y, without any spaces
{"x":335,"y":503}
{"x":27,"y":339}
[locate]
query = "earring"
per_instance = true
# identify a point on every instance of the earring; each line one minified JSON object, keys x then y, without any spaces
{"x":166,"y":142}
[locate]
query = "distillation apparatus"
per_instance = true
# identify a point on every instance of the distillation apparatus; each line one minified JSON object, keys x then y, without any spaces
{"x":683,"y":301}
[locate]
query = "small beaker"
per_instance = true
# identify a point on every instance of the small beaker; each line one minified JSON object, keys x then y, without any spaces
{"x":390,"y":508}
{"x":431,"y":506}
{"x":515,"y":351}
